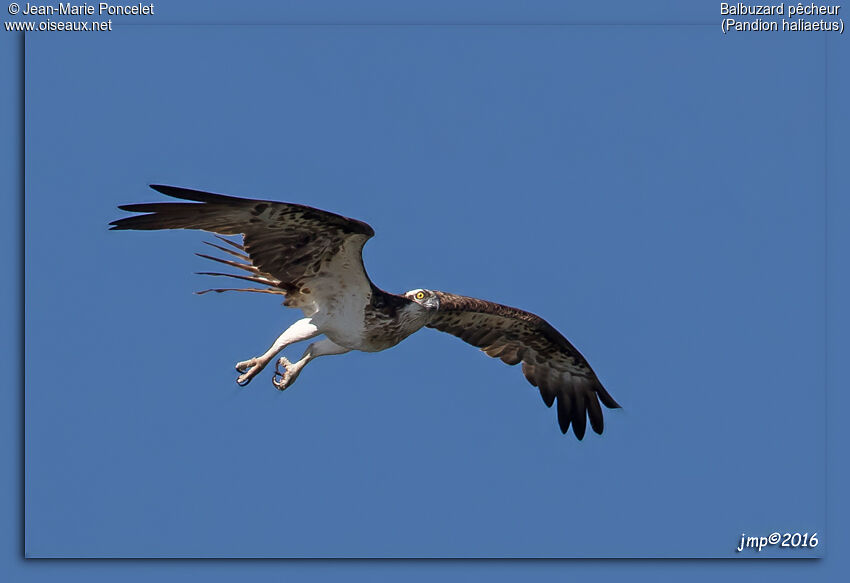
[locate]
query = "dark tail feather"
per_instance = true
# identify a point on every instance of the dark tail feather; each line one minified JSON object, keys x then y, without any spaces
{"x":580,"y":414}
{"x":189,"y":194}
{"x":594,"y":411}
{"x":228,"y":251}
{"x":170,"y":215}
{"x":242,"y":289}
{"x":565,"y":407}
{"x":547,"y":391}
{"x":236,"y":264}
{"x":606,"y":399}
{"x":231,"y":243}
{"x":260,"y":280}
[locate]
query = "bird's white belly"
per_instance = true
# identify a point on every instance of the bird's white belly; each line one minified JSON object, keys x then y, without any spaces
{"x":339,"y":316}
{"x":345,"y":328}
{"x":349,"y":321}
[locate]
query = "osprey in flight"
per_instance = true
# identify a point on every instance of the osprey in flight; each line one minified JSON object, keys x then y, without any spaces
{"x":314,"y":258}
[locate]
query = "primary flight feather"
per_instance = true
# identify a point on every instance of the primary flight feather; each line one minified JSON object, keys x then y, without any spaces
{"x":314,"y":258}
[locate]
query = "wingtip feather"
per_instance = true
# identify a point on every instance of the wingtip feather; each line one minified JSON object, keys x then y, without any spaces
{"x":580,"y":415}
{"x":606,"y":398}
{"x":564,"y":412}
{"x":192,"y":194}
{"x":160,"y":187}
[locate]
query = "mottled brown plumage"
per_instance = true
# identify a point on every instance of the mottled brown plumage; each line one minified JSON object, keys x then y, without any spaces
{"x":314,"y":258}
{"x":286,"y":244}
{"x":549,"y":361}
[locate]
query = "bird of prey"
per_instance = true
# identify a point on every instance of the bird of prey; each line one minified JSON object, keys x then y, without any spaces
{"x":314,"y":258}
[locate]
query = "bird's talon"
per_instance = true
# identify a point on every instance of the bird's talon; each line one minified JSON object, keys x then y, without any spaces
{"x":282,"y":361}
{"x":282,"y":379}
{"x":249,"y":369}
{"x":246,"y":364}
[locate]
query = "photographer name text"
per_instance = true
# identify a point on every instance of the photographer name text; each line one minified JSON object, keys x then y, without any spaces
{"x":99,"y":9}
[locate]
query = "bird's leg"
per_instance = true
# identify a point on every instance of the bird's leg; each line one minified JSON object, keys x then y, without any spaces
{"x":283,"y":379}
{"x":303,"y":329}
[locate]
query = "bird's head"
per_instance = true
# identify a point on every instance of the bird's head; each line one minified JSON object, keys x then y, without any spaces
{"x":425,"y":298}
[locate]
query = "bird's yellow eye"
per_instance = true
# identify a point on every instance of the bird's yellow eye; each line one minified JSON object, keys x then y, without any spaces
{"x":420,"y":295}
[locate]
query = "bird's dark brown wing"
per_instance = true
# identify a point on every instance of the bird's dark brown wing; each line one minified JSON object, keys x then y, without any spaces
{"x":549,"y":361}
{"x":286,"y":246}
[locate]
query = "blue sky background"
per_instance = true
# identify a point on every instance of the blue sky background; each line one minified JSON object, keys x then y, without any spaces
{"x":657,"y":193}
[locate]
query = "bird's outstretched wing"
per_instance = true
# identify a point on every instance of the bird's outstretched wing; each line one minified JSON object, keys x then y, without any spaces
{"x":287,"y":247}
{"x":549,"y":361}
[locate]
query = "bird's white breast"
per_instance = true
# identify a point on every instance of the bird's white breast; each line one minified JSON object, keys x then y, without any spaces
{"x":337,"y":299}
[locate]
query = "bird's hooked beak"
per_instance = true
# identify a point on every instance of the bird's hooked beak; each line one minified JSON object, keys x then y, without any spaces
{"x":432,"y":302}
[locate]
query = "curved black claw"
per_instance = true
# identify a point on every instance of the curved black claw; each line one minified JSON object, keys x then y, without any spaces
{"x":282,"y":379}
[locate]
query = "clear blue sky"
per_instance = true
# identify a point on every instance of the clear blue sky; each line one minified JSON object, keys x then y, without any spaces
{"x":655,"y":192}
